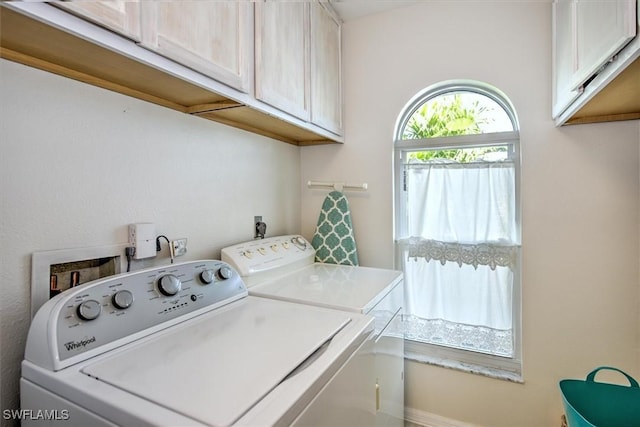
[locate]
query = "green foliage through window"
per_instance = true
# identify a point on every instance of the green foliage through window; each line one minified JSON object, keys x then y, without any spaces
{"x":452,"y":115}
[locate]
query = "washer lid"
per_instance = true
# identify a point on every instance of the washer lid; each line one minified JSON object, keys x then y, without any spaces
{"x":348,"y":288}
{"x":216,"y":367}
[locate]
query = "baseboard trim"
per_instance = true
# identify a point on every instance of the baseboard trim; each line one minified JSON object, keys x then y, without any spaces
{"x":427,"y":419}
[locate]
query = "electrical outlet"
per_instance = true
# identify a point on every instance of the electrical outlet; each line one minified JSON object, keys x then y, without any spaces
{"x":142,"y":236}
{"x":179,"y":247}
{"x":260,"y":228}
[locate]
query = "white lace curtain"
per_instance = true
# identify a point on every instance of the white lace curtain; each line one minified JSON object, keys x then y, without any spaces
{"x":460,"y":253}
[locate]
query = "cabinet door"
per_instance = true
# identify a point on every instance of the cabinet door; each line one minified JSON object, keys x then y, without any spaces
{"x":390,"y":374}
{"x":603,"y":28}
{"x":120,"y":16}
{"x":564,"y":55}
{"x":282,"y":60}
{"x":214,"y":38}
{"x":326,"y":76}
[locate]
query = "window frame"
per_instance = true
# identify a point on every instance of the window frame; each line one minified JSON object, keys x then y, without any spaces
{"x":509,"y":368}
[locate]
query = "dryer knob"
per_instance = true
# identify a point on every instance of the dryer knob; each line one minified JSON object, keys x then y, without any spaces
{"x":89,"y":310}
{"x":224,"y":273}
{"x":299,"y":242}
{"x":169,"y":285}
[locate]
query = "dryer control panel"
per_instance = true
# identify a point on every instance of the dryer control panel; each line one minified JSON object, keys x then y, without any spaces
{"x":264,"y":255}
{"x":109,"y":312}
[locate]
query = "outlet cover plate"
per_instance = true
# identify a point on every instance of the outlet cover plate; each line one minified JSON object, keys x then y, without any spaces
{"x":179,"y":247}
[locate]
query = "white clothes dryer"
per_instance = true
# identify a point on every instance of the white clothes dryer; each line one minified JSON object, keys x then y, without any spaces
{"x":283,"y":268}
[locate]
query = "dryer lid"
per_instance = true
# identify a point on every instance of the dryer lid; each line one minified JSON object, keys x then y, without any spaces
{"x":342,"y":287}
{"x":216,"y":367}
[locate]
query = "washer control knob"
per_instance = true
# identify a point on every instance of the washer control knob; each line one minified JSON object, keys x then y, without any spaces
{"x":169,"y":285}
{"x":207,"y":276}
{"x":89,"y":310}
{"x":224,"y":273}
{"x":122,"y":299}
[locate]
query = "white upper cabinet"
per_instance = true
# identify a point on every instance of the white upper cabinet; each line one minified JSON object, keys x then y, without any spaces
{"x":281,"y":54}
{"x":587,"y":34}
{"x":214,"y":38}
{"x":298,"y":65}
{"x":268,"y":67}
{"x":326,"y":76}
{"x":121,"y":16}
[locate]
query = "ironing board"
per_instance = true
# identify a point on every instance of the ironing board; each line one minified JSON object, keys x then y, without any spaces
{"x":333,"y":239}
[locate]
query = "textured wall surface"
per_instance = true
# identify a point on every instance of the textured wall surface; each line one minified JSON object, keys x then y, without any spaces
{"x":78,"y":164}
{"x":580,"y":196}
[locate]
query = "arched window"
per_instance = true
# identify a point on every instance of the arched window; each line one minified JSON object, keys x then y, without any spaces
{"x":457,"y":230}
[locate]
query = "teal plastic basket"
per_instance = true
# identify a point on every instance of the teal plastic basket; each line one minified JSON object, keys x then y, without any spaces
{"x":594,"y":404}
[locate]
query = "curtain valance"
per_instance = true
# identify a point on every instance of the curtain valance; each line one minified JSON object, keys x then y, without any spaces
{"x":489,"y":254}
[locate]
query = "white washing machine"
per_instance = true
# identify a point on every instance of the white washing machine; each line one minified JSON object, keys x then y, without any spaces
{"x":186,"y":345}
{"x":283,"y":268}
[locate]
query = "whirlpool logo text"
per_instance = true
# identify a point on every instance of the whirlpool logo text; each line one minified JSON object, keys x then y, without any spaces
{"x":75,"y":345}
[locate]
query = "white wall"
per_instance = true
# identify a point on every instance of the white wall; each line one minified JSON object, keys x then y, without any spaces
{"x":78,"y":163}
{"x":580,"y":197}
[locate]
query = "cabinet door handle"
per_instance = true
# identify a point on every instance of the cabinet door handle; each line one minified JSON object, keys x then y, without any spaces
{"x":377,"y":396}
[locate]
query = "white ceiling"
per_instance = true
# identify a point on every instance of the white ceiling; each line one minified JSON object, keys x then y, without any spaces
{"x":353,"y":9}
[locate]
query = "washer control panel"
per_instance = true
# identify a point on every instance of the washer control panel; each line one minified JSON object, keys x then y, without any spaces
{"x":262,"y":255}
{"x":133,"y":305}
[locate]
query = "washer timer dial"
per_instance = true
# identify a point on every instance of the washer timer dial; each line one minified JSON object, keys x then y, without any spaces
{"x":169,"y":285}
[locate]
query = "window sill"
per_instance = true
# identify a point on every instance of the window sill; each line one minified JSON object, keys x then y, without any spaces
{"x":461,"y":360}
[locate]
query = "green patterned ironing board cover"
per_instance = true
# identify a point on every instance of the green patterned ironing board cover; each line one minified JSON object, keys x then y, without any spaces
{"x":333,"y":240}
